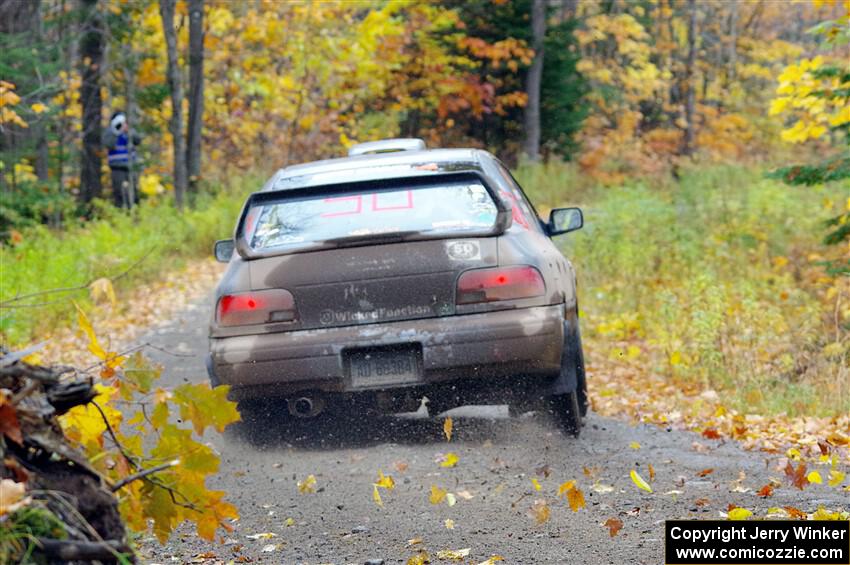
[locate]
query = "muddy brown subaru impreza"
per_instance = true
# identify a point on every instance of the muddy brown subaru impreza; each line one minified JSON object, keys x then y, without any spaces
{"x":367,"y":283}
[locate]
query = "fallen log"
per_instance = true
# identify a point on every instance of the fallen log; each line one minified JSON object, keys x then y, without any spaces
{"x":67,"y":501}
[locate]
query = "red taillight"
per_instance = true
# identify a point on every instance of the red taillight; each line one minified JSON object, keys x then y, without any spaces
{"x":258,"y":307}
{"x":505,"y":283}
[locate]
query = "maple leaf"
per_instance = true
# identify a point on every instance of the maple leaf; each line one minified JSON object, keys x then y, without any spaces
{"x":766,"y":491}
{"x":836,"y":477}
{"x":576,"y":499}
{"x":562,"y":490}
{"x":204,"y":406}
{"x":9,"y":425}
{"x":705,"y":472}
{"x":543,"y":471}
{"x":797,"y":476}
{"x":614,"y":526}
{"x":711,"y":433}
{"x":447,"y":428}
{"x":101,"y":289}
{"x":739,"y":514}
{"x":453,"y":554}
{"x":86,"y":424}
{"x":421,"y":558}
{"x":449,"y":523}
{"x":449,"y":460}
{"x":437,"y":495}
{"x":639,"y":482}
{"x":385,"y":481}
{"x":540,"y":511}
{"x":795,"y":513}
{"x":111,"y":360}
{"x":308,"y":485}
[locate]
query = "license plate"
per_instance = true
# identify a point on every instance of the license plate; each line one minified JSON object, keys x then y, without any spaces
{"x":380,"y":367}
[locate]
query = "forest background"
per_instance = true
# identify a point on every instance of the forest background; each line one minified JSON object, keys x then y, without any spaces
{"x":592,"y":101}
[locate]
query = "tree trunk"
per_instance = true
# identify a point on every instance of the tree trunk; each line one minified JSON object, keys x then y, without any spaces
{"x":196,"y":93}
{"x":175,"y":84}
{"x":732,"y":58}
{"x":91,"y":59}
{"x":535,"y":76}
{"x":690,"y":100}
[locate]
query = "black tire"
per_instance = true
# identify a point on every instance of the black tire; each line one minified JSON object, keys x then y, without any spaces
{"x":567,"y":412}
{"x":581,"y":376}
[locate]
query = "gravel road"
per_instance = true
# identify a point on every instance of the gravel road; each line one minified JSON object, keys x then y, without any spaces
{"x":498,"y":457}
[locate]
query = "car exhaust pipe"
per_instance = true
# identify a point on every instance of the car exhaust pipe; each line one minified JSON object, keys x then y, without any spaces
{"x":305,"y":407}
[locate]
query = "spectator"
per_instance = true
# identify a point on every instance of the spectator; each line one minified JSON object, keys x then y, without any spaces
{"x":122,"y":158}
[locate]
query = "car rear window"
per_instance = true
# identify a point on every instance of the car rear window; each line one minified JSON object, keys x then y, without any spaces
{"x":449,"y":209}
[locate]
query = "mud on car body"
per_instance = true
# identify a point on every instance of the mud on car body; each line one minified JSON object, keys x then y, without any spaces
{"x":397,"y":273}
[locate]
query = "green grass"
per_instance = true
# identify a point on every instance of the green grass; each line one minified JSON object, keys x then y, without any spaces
{"x":715,"y":281}
{"x":156,"y":236}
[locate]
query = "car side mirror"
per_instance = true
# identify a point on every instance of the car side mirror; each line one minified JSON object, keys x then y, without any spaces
{"x":223,"y":250}
{"x":564,"y":220}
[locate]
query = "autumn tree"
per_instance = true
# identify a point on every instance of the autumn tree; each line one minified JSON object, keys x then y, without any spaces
{"x":175,"y":85}
{"x":814,"y":97}
{"x":196,"y":93}
{"x":91,"y":61}
{"x":534,"y":77}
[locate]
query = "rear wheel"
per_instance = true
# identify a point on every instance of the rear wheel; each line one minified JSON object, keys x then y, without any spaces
{"x":570,"y":408}
{"x":581,"y":377}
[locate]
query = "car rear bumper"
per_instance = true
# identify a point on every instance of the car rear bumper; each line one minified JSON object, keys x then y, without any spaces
{"x":487,"y":345}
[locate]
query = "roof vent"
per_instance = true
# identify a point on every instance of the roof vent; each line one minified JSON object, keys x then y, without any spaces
{"x":387,"y":146}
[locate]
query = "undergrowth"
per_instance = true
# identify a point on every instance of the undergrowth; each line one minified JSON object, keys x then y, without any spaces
{"x":152,"y":239}
{"x":717,"y":281}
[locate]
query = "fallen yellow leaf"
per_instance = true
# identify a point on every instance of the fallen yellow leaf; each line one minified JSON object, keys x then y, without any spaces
{"x":308,"y":485}
{"x":536,"y":484}
{"x":421,"y":558}
{"x":565,"y":487}
{"x":739,"y":514}
{"x":540,"y":511}
{"x":814,"y":477}
{"x":450,"y":524}
{"x":447,"y":428}
{"x":437,"y":495}
{"x":449,"y":460}
{"x":376,"y":496}
{"x":576,"y":499}
{"x":385,"y":481}
{"x":453,"y":554}
{"x":634,"y":445}
{"x":638,"y":480}
{"x":492,"y":560}
{"x":836,"y":477}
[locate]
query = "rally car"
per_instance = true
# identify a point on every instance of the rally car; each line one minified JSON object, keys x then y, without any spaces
{"x":398,"y":273}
